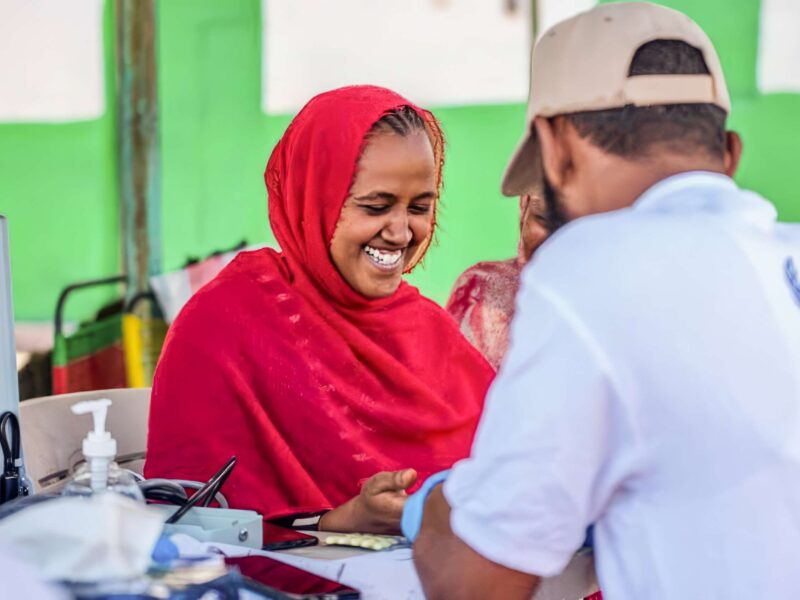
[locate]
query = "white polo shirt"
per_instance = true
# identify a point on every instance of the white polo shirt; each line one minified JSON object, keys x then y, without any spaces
{"x":652,"y":388}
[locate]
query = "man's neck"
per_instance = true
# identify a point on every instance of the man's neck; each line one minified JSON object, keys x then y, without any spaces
{"x":626,"y":180}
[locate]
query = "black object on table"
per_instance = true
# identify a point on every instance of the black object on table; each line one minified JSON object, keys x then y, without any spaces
{"x":205,"y":493}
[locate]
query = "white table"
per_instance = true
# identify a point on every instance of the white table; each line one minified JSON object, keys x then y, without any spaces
{"x":390,"y":575}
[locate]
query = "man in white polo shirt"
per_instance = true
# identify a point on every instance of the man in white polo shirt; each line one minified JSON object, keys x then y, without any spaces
{"x":652,"y":387}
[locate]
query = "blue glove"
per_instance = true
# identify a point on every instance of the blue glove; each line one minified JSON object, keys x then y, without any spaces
{"x":165,"y":550}
{"x":411,"y":522}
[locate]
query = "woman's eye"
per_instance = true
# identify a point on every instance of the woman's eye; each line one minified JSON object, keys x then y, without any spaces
{"x":420,"y":209}
{"x":375,"y":209}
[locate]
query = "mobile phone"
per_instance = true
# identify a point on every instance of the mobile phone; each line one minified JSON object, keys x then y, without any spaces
{"x":280,"y":581}
{"x":282,"y":538}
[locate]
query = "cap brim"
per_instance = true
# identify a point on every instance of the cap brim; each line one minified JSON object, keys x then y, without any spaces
{"x":523,"y":174}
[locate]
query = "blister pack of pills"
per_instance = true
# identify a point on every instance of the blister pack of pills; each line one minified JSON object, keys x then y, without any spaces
{"x":367,"y":541}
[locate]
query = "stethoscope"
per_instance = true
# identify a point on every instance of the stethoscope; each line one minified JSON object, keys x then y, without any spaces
{"x":10,"y":481}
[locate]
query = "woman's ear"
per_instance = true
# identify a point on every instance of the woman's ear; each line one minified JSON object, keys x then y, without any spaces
{"x":551,"y":150}
{"x":733,"y":152}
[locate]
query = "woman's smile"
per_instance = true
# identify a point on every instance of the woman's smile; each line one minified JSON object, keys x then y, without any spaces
{"x":385,"y":259}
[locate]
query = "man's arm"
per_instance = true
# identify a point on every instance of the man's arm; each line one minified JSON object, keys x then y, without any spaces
{"x":554,"y":443}
{"x":448,"y":568}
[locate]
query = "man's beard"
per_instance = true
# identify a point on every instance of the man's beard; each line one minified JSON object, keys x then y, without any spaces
{"x":555,"y":216}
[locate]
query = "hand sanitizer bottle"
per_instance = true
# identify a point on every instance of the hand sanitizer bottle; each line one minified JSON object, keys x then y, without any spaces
{"x":100,"y":473}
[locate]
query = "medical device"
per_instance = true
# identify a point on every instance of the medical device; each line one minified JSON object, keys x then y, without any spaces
{"x":193,"y":517}
{"x":206,"y":493}
{"x":9,"y":443}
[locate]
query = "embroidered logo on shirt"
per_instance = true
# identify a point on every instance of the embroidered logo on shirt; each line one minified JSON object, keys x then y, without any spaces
{"x":793,"y":278}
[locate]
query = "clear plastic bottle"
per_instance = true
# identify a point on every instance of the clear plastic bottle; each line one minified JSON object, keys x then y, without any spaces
{"x":100,"y":474}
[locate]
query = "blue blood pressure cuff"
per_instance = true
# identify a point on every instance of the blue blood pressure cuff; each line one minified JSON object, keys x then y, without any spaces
{"x":414,"y":508}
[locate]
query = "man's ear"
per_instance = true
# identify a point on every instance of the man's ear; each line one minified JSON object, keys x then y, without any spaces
{"x":733,"y":152}
{"x":551,"y":150}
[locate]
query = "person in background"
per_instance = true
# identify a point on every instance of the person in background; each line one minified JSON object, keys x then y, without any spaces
{"x":318,"y":367}
{"x":659,"y":399}
{"x":482,"y":300}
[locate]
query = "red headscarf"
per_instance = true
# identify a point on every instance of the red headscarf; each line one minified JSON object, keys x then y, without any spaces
{"x":278,"y":361}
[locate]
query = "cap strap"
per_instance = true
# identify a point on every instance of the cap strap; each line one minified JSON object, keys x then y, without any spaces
{"x":648,"y":90}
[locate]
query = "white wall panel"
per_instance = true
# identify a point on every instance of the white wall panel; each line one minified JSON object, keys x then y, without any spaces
{"x":51,"y":60}
{"x":779,"y":46}
{"x":552,"y":11}
{"x":436,"y":52}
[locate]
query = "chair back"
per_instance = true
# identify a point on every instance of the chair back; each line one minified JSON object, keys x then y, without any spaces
{"x":52,"y":435}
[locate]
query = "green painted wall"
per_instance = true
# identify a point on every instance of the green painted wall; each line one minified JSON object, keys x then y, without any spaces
{"x":58,"y":189}
{"x":57,"y":182}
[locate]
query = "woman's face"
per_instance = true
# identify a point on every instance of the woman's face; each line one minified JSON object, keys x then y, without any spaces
{"x":388,"y":213}
{"x":533,"y":228}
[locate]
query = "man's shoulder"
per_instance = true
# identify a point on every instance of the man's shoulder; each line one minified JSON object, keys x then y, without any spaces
{"x":610,"y":241}
{"x":613,"y":262}
{"x":788,"y":233}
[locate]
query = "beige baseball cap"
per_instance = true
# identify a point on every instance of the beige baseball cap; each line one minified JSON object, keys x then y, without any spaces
{"x":582,"y":64}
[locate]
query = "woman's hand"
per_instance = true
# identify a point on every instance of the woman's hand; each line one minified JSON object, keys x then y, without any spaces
{"x":377,"y":509}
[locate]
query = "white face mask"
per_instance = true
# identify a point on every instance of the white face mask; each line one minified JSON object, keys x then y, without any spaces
{"x":107,"y":536}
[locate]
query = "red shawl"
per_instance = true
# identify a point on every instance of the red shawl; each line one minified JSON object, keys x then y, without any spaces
{"x":278,"y":361}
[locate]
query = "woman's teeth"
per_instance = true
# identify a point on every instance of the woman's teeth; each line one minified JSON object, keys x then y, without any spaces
{"x":385,"y":259}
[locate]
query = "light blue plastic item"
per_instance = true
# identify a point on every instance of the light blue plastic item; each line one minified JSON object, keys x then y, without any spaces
{"x":411,"y":521}
{"x":219,"y":525}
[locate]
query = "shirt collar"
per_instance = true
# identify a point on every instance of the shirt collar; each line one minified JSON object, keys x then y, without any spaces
{"x":706,"y":192}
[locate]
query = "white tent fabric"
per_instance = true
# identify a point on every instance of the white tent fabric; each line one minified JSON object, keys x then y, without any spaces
{"x":551,"y":12}
{"x":438,"y":52}
{"x":51,"y":60}
{"x":435,"y":52}
{"x":779,"y":47}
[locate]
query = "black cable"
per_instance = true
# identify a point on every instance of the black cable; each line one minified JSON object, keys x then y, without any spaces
{"x":10,"y":480}
{"x":4,"y":445}
{"x":161,"y":495}
{"x":163,"y":490}
{"x":221,"y":478}
{"x":200,"y":495}
{"x":216,"y":482}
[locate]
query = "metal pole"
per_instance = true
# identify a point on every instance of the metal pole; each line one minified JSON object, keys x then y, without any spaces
{"x":138,"y":152}
{"x":9,"y":390}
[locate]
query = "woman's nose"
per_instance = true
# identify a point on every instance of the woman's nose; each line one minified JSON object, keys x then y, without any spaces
{"x":397,"y":231}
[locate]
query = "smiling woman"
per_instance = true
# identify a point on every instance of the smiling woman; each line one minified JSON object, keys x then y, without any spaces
{"x":318,"y":366}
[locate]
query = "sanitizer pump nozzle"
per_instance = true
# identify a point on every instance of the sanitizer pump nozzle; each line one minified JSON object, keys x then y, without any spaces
{"x":99,"y":448}
{"x":100,"y":473}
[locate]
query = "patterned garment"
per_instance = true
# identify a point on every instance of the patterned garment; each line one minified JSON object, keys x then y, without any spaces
{"x":482,"y":302}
